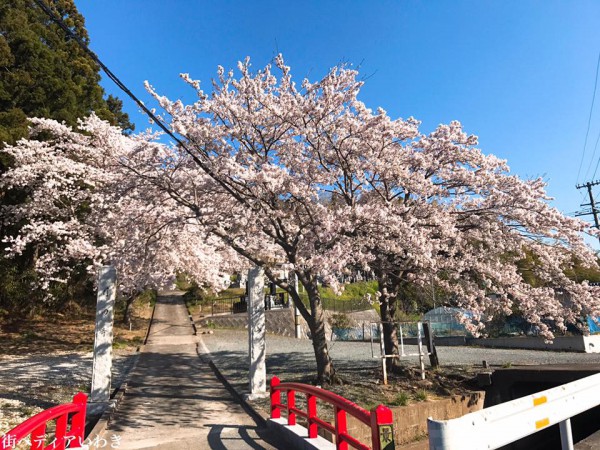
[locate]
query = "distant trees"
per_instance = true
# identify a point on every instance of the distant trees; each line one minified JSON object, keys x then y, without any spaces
{"x":45,"y":74}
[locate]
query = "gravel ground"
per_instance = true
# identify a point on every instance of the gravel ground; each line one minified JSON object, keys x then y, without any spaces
{"x":293,"y":360}
{"x":298,"y":353}
{"x":32,"y":383}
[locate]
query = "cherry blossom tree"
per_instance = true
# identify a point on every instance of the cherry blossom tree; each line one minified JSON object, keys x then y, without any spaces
{"x":259,"y":138}
{"x":292,"y":158}
{"x":308,"y":179}
{"x":85,"y":207}
{"x":329,"y":183}
{"x":454,"y":215}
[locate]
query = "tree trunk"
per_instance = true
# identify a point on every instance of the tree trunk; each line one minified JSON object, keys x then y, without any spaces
{"x":388,"y":291}
{"x":390,"y":329}
{"x":315,"y":318}
{"x":428,"y":335}
{"x":127,"y":313}
{"x":325,"y":371}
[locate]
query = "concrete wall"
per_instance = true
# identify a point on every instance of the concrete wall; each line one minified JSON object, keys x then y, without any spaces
{"x":410,"y":422}
{"x":583,"y":344}
{"x":277,"y":321}
{"x":441,"y":341}
{"x":591,"y":343}
{"x":281,"y":321}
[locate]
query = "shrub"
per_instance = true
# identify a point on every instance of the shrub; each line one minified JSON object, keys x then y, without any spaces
{"x":340,"y":321}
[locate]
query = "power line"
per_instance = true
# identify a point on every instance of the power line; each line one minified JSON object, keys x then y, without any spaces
{"x":592,"y":204}
{"x":124,"y":88}
{"x":106,"y":70}
{"x":589,"y":123}
{"x":595,"y":147}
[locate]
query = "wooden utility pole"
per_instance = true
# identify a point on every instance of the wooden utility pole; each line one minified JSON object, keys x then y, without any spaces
{"x":592,"y":204}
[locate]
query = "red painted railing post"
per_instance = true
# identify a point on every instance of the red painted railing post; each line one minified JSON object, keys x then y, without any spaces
{"x":78,"y":420}
{"x":38,"y":438}
{"x":311,"y":402}
{"x":35,"y":427}
{"x":275,"y":398}
{"x":341,"y":429}
{"x":379,"y":419}
{"x":291,"y":404}
{"x":382,"y":428}
{"x":60,"y":433}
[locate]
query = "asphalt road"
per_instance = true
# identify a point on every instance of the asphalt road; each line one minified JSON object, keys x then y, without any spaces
{"x":174,"y":401}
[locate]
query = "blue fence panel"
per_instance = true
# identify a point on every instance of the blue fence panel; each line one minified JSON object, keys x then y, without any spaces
{"x":594,"y":324}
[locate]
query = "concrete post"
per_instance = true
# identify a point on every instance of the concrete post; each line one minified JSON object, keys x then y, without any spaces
{"x":242,"y":279}
{"x":102,"y":364}
{"x":420,"y":344}
{"x":383,"y":355}
{"x":256,"y":334}
{"x":297,"y":317}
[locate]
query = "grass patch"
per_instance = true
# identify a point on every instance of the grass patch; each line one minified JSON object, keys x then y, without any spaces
{"x":197,"y":299}
{"x":29,"y":335}
{"x":148,"y":297}
{"x":353,"y":298}
{"x":352,"y":291}
{"x":421,"y":395}
{"x":120,"y":343}
{"x":402,"y":399}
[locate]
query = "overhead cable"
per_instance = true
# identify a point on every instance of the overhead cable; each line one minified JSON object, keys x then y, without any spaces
{"x":151,"y":115}
{"x":588,"y":125}
{"x":106,"y":70}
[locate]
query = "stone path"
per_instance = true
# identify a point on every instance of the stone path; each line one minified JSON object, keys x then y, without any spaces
{"x":175,"y":401}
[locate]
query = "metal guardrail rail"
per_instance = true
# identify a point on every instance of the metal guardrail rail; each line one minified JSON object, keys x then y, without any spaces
{"x":508,"y":422}
{"x":238,"y":304}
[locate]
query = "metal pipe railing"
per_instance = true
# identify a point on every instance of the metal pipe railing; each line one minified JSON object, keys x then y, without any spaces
{"x":508,"y":422}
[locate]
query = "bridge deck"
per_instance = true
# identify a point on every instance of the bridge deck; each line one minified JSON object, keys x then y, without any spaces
{"x":174,"y":400}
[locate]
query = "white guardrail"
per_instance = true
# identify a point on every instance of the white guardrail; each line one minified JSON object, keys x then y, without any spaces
{"x":508,"y":422}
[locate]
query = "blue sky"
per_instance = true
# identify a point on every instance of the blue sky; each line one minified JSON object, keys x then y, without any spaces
{"x":519,"y":74}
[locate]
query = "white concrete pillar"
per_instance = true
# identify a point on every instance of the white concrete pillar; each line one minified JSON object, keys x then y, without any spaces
{"x":297,"y":316}
{"x":102,"y":365}
{"x":256,"y":334}
{"x":242,"y":279}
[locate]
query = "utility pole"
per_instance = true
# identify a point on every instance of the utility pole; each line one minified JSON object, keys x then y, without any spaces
{"x":592,"y":204}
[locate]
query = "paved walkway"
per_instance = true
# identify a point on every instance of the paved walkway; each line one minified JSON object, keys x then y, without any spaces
{"x":174,"y":401}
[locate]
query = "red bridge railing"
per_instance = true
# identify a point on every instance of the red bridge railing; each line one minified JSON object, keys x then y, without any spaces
{"x":379,"y":419}
{"x":67,"y":432}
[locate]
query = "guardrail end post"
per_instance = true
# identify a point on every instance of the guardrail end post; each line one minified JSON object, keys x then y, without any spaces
{"x":275,"y":398}
{"x":382,"y":428}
